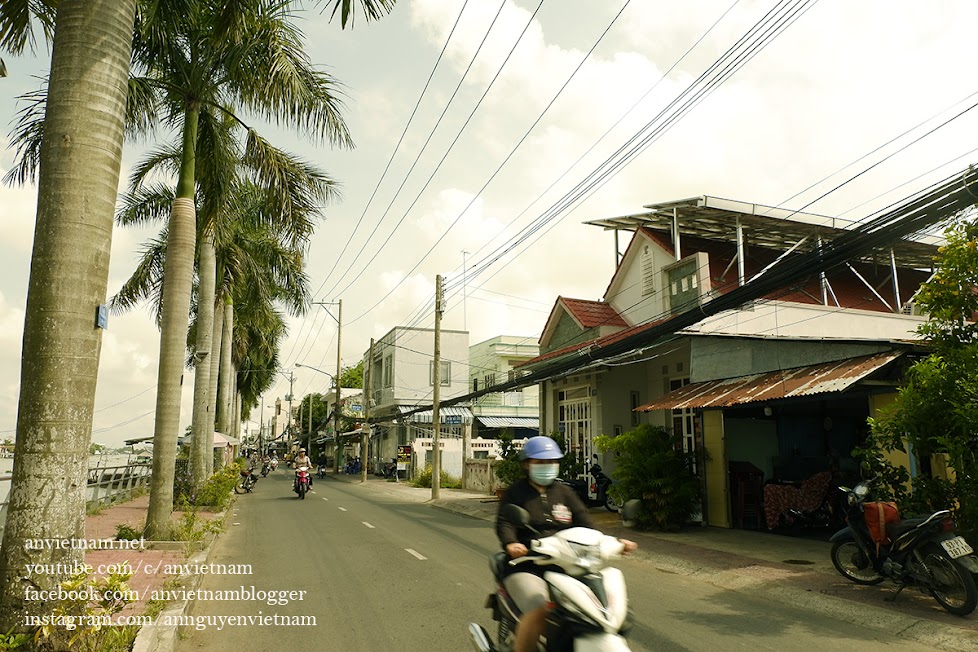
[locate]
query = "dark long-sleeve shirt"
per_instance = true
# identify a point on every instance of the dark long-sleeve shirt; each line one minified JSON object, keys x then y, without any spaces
{"x":557,"y":509}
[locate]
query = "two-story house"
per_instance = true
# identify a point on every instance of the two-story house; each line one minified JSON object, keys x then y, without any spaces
{"x":401,"y":380}
{"x":514,"y":412}
{"x":781,"y":387}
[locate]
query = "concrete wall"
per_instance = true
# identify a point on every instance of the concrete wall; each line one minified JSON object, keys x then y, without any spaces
{"x":786,"y":319}
{"x":715,"y":474}
{"x":714,"y":358}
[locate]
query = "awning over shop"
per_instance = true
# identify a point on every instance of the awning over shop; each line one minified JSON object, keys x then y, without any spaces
{"x":509,"y":422}
{"x":446,"y":415}
{"x":787,"y":383}
{"x":220,"y":441}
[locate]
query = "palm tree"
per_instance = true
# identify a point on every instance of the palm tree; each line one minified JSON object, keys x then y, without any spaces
{"x":79,"y":160}
{"x":209,"y":58}
{"x":240,"y":221}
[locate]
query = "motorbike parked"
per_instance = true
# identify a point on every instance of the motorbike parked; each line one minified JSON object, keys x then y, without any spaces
{"x":301,"y":485}
{"x":920,"y":552}
{"x":246,"y":482}
{"x":594,"y":491}
{"x":590,"y":611}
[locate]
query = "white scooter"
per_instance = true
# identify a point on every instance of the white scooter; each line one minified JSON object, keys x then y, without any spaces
{"x":591,"y":605}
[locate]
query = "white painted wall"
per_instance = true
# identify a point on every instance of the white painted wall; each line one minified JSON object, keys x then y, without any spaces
{"x":625,"y":294}
{"x":786,"y":319}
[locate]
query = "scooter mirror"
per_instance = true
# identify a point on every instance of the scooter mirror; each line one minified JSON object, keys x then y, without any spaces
{"x":515,"y":514}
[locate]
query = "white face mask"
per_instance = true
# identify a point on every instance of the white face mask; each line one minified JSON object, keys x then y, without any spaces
{"x":544,"y":474}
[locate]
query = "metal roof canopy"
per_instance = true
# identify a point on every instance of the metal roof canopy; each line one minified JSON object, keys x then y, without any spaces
{"x":509,"y":422}
{"x":821,"y":378}
{"x":425,"y":416}
{"x":773,"y":228}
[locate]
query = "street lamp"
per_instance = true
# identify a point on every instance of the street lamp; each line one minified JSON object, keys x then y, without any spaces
{"x":336,"y":413}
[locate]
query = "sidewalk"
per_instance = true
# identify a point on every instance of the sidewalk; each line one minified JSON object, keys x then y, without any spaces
{"x":149,"y":563}
{"x":780,"y":568}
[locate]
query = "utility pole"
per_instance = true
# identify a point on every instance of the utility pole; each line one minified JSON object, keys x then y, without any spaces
{"x":288,"y":424}
{"x":366,"y":413}
{"x":261,"y":426}
{"x":336,"y":407}
{"x":464,"y":293}
{"x":436,"y":397}
{"x":309,"y":445}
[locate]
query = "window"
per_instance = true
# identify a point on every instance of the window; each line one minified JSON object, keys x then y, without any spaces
{"x":490,"y":380}
{"x":445,"y":377}
{"x":634,"y":401}
{"x":389,"y":371}
{"x":475,"y":384}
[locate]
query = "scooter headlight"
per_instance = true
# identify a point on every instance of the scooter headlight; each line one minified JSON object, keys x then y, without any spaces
{"x":587,"y":556}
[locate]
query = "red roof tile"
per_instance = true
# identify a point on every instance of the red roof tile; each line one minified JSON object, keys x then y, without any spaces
{"x":593,"y":313}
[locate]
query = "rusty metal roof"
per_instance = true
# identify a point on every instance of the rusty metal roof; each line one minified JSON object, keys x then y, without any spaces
{"x":786,"y":383}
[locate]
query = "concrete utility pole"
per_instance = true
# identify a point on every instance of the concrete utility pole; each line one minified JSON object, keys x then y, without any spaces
{"x":339,"y":373}
{"x":336,"y":379}
{"x":436,"y":397}
{"x":366,"y":412}
{"x":309,"y":444}
{"x":288,"y":424}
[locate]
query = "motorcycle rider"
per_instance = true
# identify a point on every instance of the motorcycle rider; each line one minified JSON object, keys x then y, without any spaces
{"x":302,"y":460}
{"x":552,"y":506}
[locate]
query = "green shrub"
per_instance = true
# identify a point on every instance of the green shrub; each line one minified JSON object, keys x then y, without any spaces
{"x":97,"y":599}
{"x":447,"y":481}
{"x":652,"y":467}
{"x":126,"y":532}
{"x":508,"y":469}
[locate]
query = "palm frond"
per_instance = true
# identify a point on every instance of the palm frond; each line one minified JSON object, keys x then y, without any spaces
{"x":164,"y":160}
{"x":27,"y":136}
{"x":289,"y":191}
{"x":291,"y":92}
{"x":372,"y":10}
{"x":146,"y":281}
{"x":17,"y":21}
{"x":144,"y":205}
{"x":142,"y":106}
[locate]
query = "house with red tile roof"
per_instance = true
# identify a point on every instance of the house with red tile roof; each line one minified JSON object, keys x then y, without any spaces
{"x":775,"y":390}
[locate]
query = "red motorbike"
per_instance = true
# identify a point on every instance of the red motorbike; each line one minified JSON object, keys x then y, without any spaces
{"x":301,"y":481}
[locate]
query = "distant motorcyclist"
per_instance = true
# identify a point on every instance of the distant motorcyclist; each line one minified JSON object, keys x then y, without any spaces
{"x":552,"y":506}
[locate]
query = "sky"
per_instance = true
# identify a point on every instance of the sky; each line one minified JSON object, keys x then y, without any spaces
{"x":818,"y":105}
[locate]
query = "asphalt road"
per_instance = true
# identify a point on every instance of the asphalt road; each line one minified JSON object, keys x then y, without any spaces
{"x":383,"y":574}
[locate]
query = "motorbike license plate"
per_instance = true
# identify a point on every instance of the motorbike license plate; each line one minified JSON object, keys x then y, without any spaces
{"x":957,"y":547}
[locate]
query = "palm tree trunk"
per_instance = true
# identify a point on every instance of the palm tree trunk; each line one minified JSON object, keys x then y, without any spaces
{"x":203,"y":422}
{"x":224,"y":386}
{"x":80,"y":160}
{"x":215,"y":362}
{"x":236,"y":421}
{"x":178,"y":270}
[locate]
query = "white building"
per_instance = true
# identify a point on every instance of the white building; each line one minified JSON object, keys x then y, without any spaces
{"x":515,"y":412}
{"x":401,"y":381}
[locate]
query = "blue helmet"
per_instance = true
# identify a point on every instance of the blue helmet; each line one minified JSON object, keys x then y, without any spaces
{"x":540,"y":448}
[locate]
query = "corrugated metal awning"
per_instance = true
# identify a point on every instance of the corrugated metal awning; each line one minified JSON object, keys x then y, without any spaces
{"x":787,"y":383}
{"x":510,"y":422}
{"x":446,"y":414}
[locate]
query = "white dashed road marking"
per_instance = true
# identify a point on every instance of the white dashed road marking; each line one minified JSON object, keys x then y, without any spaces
{"x":342,"y":509}
{"x":417,"y":554}
{"x":369,"y":525}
